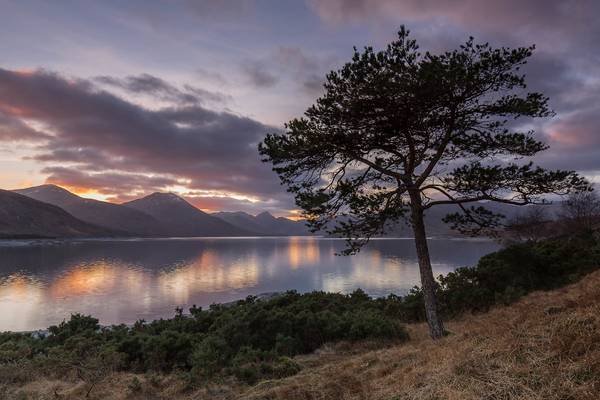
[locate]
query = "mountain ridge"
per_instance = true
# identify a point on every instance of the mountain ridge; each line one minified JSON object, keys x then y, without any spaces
{"x":265,"y":223}
{"x":180,"y":218}
{"x":101,"y":213}
{"x":25,"y":217}
{"x":162,"y":214}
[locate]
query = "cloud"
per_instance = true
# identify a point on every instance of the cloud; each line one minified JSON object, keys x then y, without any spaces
{"x":220,"y":10}
{"x":123,"y":186}
{"x":533,"y":14}
{"x":14,"y":130}
{"x":313,"y":84}
{"x":146,"y":84}
{"x":258,"y":74}
{"x":118,"y":146}
{"x":212,"y":76}
{"x":291,"y":64}
{"x":563,"y":67}
{"x":574,"y":140}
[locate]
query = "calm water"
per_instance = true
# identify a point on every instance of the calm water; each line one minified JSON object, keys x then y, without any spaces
{"x":123,"y":281}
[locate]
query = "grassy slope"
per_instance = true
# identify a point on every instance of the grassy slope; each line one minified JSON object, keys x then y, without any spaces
{"x":545,"y":346}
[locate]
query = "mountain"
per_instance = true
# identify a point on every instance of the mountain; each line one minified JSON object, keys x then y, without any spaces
{"x":180,"y":218}
{"x":281,"y":225}
{"x":242,"y":220}
{"x":264,"y":223}
{"x":24,"y":217}
{"x":101,"y":213}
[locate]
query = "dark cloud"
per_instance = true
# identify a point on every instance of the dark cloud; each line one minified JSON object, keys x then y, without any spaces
{"x":147,"y":84}
{"x":14,"y":130}
{"x":107,"y":139}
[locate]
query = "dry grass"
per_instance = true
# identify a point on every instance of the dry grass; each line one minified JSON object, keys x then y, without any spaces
{"x":546,"y":346}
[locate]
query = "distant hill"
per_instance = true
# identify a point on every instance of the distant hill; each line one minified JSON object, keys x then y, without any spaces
{"x":24,"y":217}
{"x":434,"y":225}
{"x":166,"y":214}
{"x":180,"y":218}
{"x":101,"y":213}
{"x":265,"y":223}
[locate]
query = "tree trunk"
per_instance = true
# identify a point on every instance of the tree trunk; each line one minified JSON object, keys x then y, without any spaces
{"x":436,"y":326}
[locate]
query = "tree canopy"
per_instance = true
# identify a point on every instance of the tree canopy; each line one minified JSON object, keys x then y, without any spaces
{"x":399,"y":120}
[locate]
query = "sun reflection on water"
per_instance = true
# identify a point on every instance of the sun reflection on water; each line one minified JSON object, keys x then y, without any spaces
{"x":207,"y":273}
{"x":122,"y":281}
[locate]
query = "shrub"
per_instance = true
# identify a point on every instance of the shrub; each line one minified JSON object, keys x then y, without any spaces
{"x":253,"y":339}
{"x":508,"y":274}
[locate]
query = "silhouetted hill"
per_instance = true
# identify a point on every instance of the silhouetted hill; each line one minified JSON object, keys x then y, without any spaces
{"x":24,"y":217}
{"x":101,"y":213}
{"x":436,"y":227}
{"x":180,"y":218}
{"x":264,"y":223}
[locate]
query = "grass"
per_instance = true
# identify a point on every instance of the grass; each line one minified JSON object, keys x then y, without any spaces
{"x":544,"y":346}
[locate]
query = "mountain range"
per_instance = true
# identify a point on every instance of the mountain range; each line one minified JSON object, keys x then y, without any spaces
{"x":52,"y":211}
{"x":264,"y":223}
{"x":113,"y":216}
{"x":180,"y":218}
{"x":156,"y":215}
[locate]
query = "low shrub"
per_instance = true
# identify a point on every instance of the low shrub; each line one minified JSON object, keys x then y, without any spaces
{"x":504,"y":276}
{"x":251,"y":339}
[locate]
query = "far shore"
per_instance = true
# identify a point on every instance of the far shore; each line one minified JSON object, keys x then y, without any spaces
{"x":13,"y":242}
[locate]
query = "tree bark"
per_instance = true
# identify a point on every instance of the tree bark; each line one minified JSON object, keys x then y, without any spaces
{"x":436,"y":326}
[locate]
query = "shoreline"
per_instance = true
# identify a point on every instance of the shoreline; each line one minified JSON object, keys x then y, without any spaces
{"x":17,"y":242}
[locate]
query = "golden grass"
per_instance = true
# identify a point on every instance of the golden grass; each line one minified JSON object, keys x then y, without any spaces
{"x":546,"y":346}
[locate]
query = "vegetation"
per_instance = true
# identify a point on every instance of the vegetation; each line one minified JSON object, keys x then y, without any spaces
{"x":253,"y":340}
{"x":545,"y":346}
{"x":581,"y":212}
{"x":399,"y":131}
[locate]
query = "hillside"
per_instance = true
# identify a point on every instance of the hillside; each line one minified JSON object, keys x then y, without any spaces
{"x":180,"y":218}
{"x":546,"y":346}
{"x":23,"y":217}
{"x":109,"y":215}
{"x":264,"y":223}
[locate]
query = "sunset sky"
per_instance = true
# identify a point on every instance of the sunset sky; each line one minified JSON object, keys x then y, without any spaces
{"x":115,"y":100}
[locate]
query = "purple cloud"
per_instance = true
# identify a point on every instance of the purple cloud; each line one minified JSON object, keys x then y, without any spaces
{"x":105,"y":139}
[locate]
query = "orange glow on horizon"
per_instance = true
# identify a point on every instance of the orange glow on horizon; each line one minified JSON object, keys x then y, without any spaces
{"x":85,"y":192}
{"x":294,"y":215}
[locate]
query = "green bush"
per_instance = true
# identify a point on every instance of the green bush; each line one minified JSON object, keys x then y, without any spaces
{"x":251,"y":339}
{"x":508,"y":274}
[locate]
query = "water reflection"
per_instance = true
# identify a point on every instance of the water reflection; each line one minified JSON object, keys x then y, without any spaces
{"x":122,"y":281}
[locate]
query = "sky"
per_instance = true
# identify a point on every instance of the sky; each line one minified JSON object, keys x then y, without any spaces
{"x":115,"y":100}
